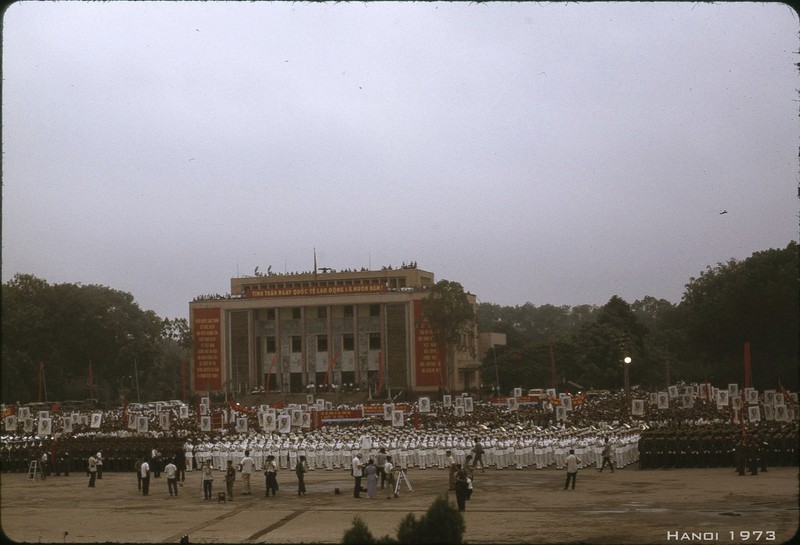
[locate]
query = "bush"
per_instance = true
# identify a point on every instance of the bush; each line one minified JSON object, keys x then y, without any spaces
{"x":442,"y":523}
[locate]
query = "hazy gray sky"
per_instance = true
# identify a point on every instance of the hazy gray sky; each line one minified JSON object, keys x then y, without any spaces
{"x":543,"y":153}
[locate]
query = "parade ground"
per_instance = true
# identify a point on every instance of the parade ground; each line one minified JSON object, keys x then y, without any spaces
{"x":508,"y":506}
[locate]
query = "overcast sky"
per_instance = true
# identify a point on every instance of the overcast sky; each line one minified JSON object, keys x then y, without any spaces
{"x":543,"y":153}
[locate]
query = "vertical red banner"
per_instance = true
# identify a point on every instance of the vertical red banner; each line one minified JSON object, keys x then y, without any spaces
{"x":429,"y":367}
{"x":746,"y":365}
{"x":206,"y":333}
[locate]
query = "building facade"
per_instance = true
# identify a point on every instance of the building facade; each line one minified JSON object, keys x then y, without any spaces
{"x":296,"y":333}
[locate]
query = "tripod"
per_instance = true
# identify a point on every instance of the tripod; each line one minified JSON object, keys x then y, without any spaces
{"x":402,"y":477}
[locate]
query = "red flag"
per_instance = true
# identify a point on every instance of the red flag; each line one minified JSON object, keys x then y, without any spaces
{"x":269,"y":374}
{"x":330,"y":368}
{"x":55,"y":408}
{"x":41,"y":373}
{"x":91,"y":381}
{"x":746,"y":365}
{"x":380,"y":372}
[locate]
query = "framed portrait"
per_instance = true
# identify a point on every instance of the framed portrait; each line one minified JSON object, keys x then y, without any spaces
{"x":468,"y":405}
{"x":43,"y":414}
{"x":205,"y":423}
{"x":97,"y":420}
{"x":424,"y":404}
{"x":309,"y":399}
{"x":163,"y":421}
{"x":754,"y":413}
{"x":779,"y":400}
{"x":284,"y":423}
{"x":45,"y":427}
{"x":561,"y":414}
{"x":458,"y":411}
{"x":306,"y":420}
{"x":736,"y":402}
{"x":241,"y":424}
{"x":673,"y":392}
{"x":458,"y":401}
{"x":688,"y":401}
{"x":141,"y":424}
{"x":183,"y":411}
{"x":447,"y":401}
{"x":11,"y":422}
{"x":517,"y":392}
{"x":320,"y":404}
{"x":653,"y":398}
{"x":781,"y":414}
{"x":769,"y":397}
{"x":27,"y":425}
{"x":132,"y":422}
{"x":67,"y":425}
{"x":637,"y":407}
{"x":566,"y":402}
{"x":398,"y":419}
{"x":512,"y":403}
{"x":722,"y":398}
{"x":769,"y":412}
{"x":663,"y":400}
{"x":752,"y":396}
{"x":297,"y":417}
{"x":23,"y":413}
{"x":551,"y":392}
{"x":388,"y":410}
{"x":733,"y":389}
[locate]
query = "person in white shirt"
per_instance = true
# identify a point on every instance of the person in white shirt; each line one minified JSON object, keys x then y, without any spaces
{"x":144,"y":471}
{"x":357,"y":466}
{"x":247,"y":465}
{"x":171,"y":471}
{"x":572,"y":462}
{"x":388,"y":468}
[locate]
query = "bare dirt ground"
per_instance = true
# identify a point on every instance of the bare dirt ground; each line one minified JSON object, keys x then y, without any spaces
{"x":508,"y":506}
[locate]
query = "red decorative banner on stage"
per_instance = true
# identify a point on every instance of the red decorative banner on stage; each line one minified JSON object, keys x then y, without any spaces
{"x":206,"y":330}
{"x":429,"y":368}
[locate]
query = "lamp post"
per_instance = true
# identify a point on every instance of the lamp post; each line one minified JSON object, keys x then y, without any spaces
{"x":626,"y":365}
{"x":496,"y":375}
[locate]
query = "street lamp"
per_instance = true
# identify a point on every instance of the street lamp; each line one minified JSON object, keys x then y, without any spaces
{"x":496,"y":376}
{"x":627,"y":363}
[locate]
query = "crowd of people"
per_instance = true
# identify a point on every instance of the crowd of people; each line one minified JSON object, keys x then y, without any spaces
{"x":596,"y":434}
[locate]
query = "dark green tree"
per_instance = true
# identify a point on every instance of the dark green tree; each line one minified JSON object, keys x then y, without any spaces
{"x":452,"y":318}
{"x":755,"y":301}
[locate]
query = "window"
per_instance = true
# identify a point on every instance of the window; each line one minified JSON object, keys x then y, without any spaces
{"x":374,"y":341}
{"x":374,"y":310}
{"x":296,"y":313}
{"x":348,"y":342}
{"x":322,"y":312}
{"x":322,"y":343}
{"x":271,"y":345}
{"x":270,"y":314}
{"x":348,"y":311}
{"x":297,"y":343}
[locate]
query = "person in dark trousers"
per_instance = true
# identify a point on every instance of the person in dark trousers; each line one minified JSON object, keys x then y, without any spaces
{"x":300,"y":470}
{"x":144,"y":471}
{"x":461,"y":487}
{"x":357,"y":467}
{"x":230,"y":478}
{"x":572,"y":463}
{"x":271,"y":474}
{"x":137,"y":467}
{"x":607,"y":457}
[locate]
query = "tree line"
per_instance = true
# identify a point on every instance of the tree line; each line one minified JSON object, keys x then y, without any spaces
{"x":701,"y":338}
{"x":135,"y":353}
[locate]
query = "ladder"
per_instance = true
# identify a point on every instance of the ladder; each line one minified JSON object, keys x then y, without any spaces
{"x":402,"y":477}
{"x":33,"y":469}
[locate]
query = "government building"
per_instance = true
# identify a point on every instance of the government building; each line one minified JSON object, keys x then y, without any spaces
{"x":325,"y":331}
